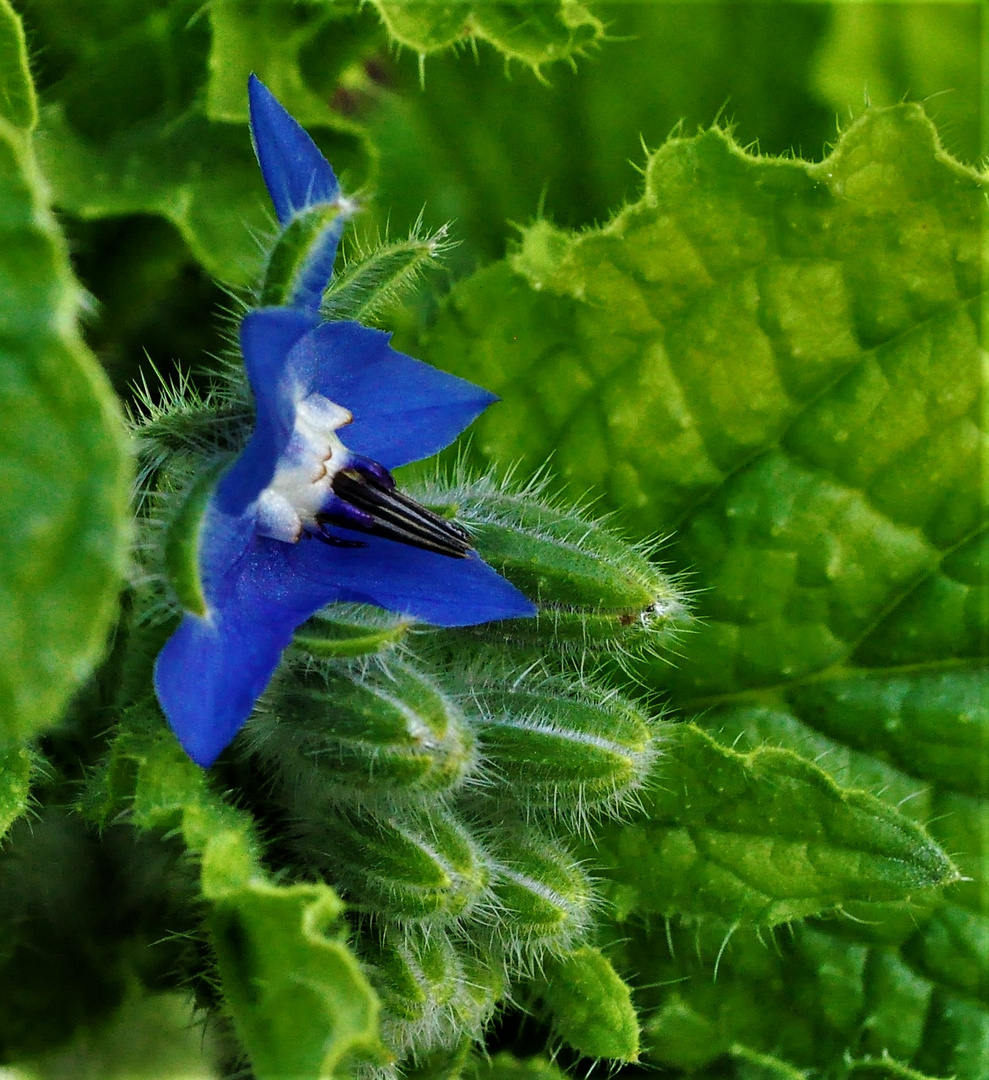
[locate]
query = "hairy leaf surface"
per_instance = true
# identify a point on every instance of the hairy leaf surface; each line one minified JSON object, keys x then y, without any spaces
{"x":780,"y":361}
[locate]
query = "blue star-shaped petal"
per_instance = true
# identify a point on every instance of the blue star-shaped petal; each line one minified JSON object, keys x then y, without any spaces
{"x":303,"y":189}
{"x":309,"y":514}
{"x":295,"y":173}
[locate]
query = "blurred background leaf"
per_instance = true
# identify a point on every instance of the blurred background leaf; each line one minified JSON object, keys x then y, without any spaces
{"x":150,"y":1037}
{"x":145,"y":115}
{"x":299,"y":1001}
{"x":483,"y":151}
{"x":887,"y":53}
{"x":533,"y":34}
{"x":137,"y":97}
{"x":64,"y":468}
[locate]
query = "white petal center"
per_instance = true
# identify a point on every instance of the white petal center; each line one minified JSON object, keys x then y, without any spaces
{"x":303,"y":479}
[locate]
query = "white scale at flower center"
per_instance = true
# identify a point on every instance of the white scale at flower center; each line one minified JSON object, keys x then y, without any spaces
{"x":303,"y":480}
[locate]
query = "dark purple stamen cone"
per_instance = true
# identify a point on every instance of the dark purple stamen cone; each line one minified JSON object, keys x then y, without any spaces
{"x":371,"y":503}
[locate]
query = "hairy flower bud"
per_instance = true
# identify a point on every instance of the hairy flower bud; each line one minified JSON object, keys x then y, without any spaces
{"x":183,"y":537}
{"x":543,"y":897}
{"x":592,"y":588}
{"x":346,"y":736}
{"x":415,"y":969}
{"x":416,"y":864}
{"x":433,"y":989}
{"x":571,"y":749}
{"x":343,"y":630}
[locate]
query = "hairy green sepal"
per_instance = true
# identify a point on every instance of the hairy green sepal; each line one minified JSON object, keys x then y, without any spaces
{"x":409,"y":863}
{"x":434,"y":987}
{"x":183,"y":541}
{"x":370,"y":283}
{"x":298,"y":245}
{"x":543,"y":894}
{"x":590,"y":1005}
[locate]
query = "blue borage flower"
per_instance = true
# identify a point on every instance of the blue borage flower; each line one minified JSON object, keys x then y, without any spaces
{"x":309,"y":514}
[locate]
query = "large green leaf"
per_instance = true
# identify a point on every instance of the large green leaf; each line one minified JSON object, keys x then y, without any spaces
{"x":63,"y":462}
{"x":299,"y":1000}
{"x":485,"y":152}
{"x":744,"y":304}
{"x":780,"y":361}
{"x":761,"y":838}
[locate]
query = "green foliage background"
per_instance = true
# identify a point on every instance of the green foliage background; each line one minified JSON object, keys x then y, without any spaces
{"x":729,"y":318}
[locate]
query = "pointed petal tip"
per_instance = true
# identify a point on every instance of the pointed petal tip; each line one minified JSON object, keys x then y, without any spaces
{"x":207,"y":679}
{"x":508,"y":601}
{"x":197,"y":737}
{"x":201,"y":736}
{"x":518,"y":606}
{"x":404,"y":409}
{"x":295,"y":172}
{"x":204,"y":757}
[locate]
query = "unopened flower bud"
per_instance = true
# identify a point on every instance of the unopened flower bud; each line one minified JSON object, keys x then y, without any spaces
{"x":592,"y":588}
{"x":343,"y":630}
{"x":356,"y":737}
{"x":420,"y":864}
{"x":573,"y":749}
{"x":543,"y":895}
{"x":433,"y":989}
